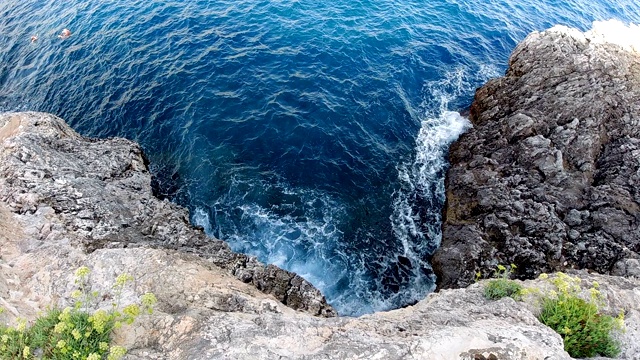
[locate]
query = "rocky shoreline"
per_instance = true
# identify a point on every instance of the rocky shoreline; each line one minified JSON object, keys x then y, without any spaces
{"x":96,"y":194}
{"x":547,"y":179}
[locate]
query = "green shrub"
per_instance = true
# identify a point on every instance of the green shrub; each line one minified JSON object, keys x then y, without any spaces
{"x":74,"y":333}
{"x":501,"y":286}
{"x":585,"y":331}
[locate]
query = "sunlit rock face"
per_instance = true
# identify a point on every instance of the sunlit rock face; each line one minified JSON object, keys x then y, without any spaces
{"x":548,"y":178}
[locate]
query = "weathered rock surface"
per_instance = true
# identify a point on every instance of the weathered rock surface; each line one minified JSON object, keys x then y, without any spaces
{"x":549,"y":177}
{"x":96,"y":194}
{"x":68,"y":201}
{"x":205,"y":313}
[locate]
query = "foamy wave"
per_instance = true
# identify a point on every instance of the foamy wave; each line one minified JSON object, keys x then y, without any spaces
{"x":301,"y":234}
{"x":201,"y":218}
{"x":615,"y":32}
{"x":422,"y":181}
{"x":416,"y":217}
{"x":433,"y":142}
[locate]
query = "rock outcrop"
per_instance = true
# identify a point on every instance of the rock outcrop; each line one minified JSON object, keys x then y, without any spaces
{"x":549,"y":177}
{"x":96,"y":194}
{"x":203,"y":312}
{"x":67,"y":201}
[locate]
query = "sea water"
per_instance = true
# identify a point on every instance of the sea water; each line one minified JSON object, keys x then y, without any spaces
{"x":312,"y":134}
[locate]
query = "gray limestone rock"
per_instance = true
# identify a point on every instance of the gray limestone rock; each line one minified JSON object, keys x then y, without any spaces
{"x":67,"y":201}
{"x":548,"y":178}
{"x":205,"y":313}
{"x":96,"y":194}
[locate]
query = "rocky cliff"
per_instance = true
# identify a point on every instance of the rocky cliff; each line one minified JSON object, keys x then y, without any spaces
{"x":68,"y":201}
{"x":95,"y":194}
{"x":549,"y":176}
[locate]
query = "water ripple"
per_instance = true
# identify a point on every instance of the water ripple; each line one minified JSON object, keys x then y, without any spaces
{"x":311,"y":134}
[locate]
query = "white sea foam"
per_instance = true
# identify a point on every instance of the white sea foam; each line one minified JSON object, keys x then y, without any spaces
{"x":424,"y":177}
{"x":303,"y":240}
{"x":201,"y":218}
{"x":416,"y":217}
{"x":615,"y":32}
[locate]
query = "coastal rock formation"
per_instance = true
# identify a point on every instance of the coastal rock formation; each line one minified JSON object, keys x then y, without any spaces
{"x":203,"y":312}
{"x":549,"y":176}
{"x":67,"y":201}
{"x":96,"y":194}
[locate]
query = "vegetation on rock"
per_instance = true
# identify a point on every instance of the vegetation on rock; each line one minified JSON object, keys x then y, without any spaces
{"x":502,"y":286}
{"x":75,"y":332}
{"x":585,"y":330}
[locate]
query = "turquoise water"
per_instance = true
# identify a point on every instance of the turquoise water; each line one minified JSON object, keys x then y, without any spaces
{"x":312,"y":134}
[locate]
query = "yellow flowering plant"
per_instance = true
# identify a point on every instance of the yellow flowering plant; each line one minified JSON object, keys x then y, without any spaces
{"x":76,"y":332}
{"x":501,"y":286}
{"x":586,"y":331}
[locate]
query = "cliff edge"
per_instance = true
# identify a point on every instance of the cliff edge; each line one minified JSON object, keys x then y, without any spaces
{"x":549,"y":176}
{"x":67,"y":201}
{"x":95,"y":194}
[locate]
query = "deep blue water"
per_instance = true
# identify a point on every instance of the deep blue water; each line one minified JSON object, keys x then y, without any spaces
{"x":312,"y":134}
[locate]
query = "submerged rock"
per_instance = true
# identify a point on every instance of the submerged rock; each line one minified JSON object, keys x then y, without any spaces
{"x":548,"y":178}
